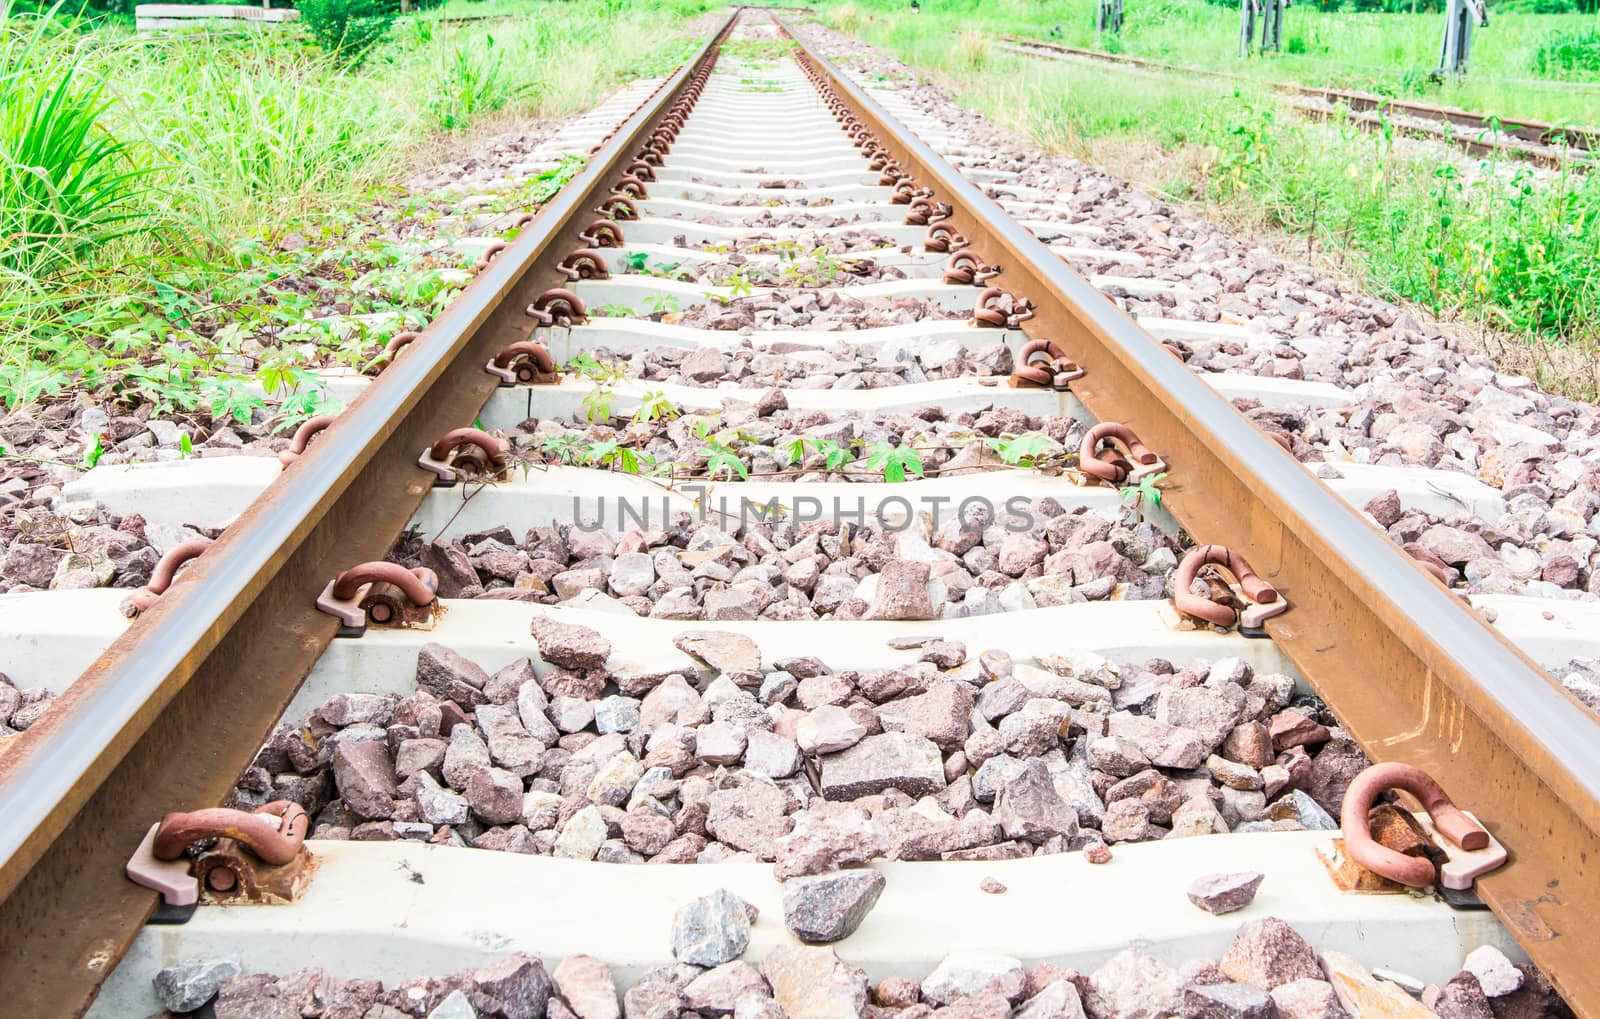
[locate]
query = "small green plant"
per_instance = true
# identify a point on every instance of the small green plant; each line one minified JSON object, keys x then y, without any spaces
{"x":597,"y":404}
{"x":613,"y":311}
{"x":1145,"y":492}
{"x":834,"y":455}
{"x":655,"y":406}
{"x":722,"y":458}
{"x":564,"y":447}
{"x":662,"y":304}
{"x":594,"y":369}
{"x":91,"y":456}
{"x":740,"y":284}
{"x":895,"y":461}
{"x":1021,"y":450}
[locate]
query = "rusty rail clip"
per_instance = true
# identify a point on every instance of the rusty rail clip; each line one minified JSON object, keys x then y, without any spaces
{"x":382,"y":594}
{"x":1044,"y":365}
{"x":618,"y":207}
{"x":466,"y":454}
{"x":1099,"y":457}
{"x":144,"y":598}
{"x":941,"y":238}
{"x":526,"y":363}
{"x":391,"y":350}
{"x":985,"y":312}
{"x":258,"y":857}
{"x":303,"y":435}
{"x":488,"y":254}
{"x":1262,"y":600}
{"x":559,"y":307}
{"x":964,"y":269}
{"x":1477,"y":851}
{"x":602,"y":233}
{"x":585,"y":264}
{"x":631,"y":186}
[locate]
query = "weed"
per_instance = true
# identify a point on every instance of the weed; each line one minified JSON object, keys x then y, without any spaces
{"x":348,"y":29}
{"x":895,"y":461}
{"x":597,"y":405}
{"x":655,"y":406}
{"x":1144,"y":492}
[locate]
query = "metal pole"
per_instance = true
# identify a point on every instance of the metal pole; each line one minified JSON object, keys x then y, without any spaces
{"x":1272,"y":25}
{"x":1248,"y":9}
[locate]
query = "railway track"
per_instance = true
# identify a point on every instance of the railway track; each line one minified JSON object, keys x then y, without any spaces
{"x":1478,"y":133}
{"x":977,"y":706}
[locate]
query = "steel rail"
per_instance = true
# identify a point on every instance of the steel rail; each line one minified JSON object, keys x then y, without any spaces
{"x":1548,"y":138}
{"x":1411,"y":672}
{"x":175,"y":710}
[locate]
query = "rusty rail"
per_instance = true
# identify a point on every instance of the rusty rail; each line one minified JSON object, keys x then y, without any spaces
{"x":176,"y":708}
{"x":1542,"y":142}
{"x":1414,"y":675}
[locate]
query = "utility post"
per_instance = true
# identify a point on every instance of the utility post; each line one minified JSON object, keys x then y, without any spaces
{"x":1457,"y":46}
{"x":1249,"y":10}
{"x":1109,"y":19}
{"x":1272,"y":25}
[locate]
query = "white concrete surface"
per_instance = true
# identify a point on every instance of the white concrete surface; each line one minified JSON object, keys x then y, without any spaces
{"x":395,"y":910}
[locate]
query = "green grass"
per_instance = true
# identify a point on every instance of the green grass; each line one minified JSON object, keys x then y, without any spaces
{"x":1390,"y":53}
{"x":1503,"y":246}
{"x":169,"y":206}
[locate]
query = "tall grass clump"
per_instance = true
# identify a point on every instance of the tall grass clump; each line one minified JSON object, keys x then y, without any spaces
{"x":473,"y":80}
{"x":259,"y":132}
{"x":1568,"y":54}
{"x":348,"y":29}
{"x":67,"y":185}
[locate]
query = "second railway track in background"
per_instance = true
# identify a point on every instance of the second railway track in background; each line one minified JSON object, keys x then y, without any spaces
{"x":728,"y":157}
{"x":1477,"y":133}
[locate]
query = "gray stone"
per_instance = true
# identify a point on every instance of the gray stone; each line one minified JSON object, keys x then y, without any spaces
{"x":769,"y":754}
{"x":454,"y":1006}
{"x":364,"y":774}
{"x":568,"y":645}
{"x":1496,"y":975}
{"x":712,"y":929}
{"x":814,"y":983}
{"x":632,"y":573}
{"x":721,"y":743}
{"x":722,"y":651}
{"x":1307,"y":999}
{"x":518,"y":986}
{"x":186,"y":987}
{"x":719,"y":990}
{"x":1133,"y":985}
{"x":828,"y":729}
{"x":582,"y":835}
{"x":1269,"y":953}
{"x":616,"y":714}
{"x":962,"y":974}
{"x":827,"y":907}
{"x":1225,"y":893}
{"x":447,"y":674}
{"x":1060,"y":1000}
{"x":900,"y":760}
{"x":1227,"y":1001}
{"x":1029,"y":808}
{"x":588,"y":987}
{"x":438,"y":805}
